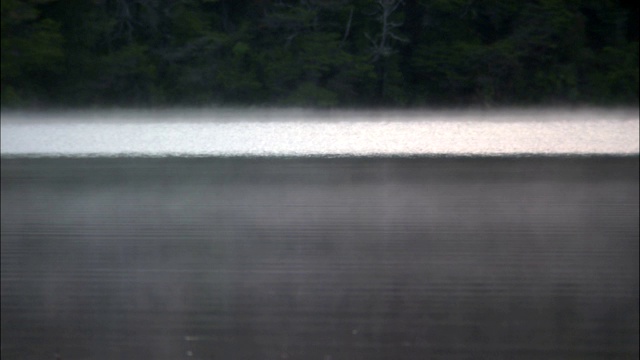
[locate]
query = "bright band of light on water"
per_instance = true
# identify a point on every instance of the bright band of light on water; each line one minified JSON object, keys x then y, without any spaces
{"x":317,"y":134}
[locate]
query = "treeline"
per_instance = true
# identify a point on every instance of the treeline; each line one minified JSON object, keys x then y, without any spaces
{"x":320,"y":53}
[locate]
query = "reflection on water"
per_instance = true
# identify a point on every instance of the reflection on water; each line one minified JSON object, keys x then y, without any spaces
{"x":326,"y":133}
{"x":530,"y":258}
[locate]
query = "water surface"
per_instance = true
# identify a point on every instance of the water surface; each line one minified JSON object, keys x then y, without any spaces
{"x":329,"y":133}
{"x":291,"y":258}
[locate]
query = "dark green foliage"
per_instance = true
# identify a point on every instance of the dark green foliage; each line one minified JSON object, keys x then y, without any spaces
{"x":32,"y":53}
{"x":318,"y":53}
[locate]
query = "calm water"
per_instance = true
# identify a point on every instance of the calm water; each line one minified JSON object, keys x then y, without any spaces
{"x":249,"y":258}
{"x":306,"y":133}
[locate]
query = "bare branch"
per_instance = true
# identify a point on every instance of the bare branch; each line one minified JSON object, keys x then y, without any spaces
{"x":380,"y":45}
{"x":399,"y":38}
{"x":346,"y":31}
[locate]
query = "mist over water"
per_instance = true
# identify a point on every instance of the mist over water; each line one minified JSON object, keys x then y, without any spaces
{"x":439,"y":258}
{"x":308,"y":133}
{"x":320,"y":235}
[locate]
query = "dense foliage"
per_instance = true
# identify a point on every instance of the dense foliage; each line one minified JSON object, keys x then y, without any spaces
{"x":323,"y":53}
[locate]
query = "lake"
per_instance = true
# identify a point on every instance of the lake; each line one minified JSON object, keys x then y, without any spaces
{"x":245,"y":257}
{"x":271,"y":132}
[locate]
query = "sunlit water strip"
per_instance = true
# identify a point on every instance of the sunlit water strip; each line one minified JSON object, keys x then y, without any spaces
{"x":300,"y":133}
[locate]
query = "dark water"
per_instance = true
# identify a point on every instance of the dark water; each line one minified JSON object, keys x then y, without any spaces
{"x":531,"y":258}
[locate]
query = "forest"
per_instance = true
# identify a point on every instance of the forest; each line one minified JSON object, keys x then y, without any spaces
{"x":318,"y":53}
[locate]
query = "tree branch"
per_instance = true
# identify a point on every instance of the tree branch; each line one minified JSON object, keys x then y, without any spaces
{"x":348,"y":28}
